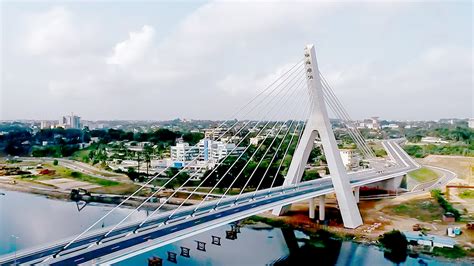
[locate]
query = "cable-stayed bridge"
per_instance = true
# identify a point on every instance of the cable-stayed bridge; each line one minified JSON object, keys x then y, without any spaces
{"x":273,"y":136}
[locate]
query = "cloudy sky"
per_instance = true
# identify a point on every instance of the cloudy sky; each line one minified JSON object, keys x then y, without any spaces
{"x":203,"y":59}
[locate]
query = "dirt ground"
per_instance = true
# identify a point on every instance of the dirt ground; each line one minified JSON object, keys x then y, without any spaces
{"x":378,"y":218}
{"x":462,"y":166}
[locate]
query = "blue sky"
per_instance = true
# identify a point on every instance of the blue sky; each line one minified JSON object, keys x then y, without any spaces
{"x":162,"y":60}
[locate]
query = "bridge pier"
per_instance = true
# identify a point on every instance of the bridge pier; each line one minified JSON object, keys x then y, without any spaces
{"x":322,"y":207}
{"x":155,"y":261}
{"x":172,"y":257}
{"x":185,"y":252}
{"x":312,"y":208}
{"x":357,"y":194}
{"x":201,"y":246}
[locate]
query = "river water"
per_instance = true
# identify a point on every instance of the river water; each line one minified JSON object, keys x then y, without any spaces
{"x":29,"y":220}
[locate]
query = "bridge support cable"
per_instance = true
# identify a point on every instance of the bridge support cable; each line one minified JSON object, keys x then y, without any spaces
{"x":227,"y":172}
{"x":260,"y":161}
{"x":347,"y":121}
{"x":345,"y":116}
{"x":300,"y":136}
{"x":284,"y":154}
{"x":234,"y":163}
{"x":265,"y":154}
{"x":191,"y":177}
{"x":351,"y":129}
{"x":353,"y":132}
{"x":255,"y":152}
{"x":283,"y":78}
{"x":228,"y":154}
{"x":352,"y":135}
{"x":168,"y":181}
{"x":282,"y":158}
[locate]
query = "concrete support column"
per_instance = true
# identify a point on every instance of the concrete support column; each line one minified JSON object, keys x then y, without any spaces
{"x":322,"y":207}
{"x":312,"y":208}
{"x":356,"y":193}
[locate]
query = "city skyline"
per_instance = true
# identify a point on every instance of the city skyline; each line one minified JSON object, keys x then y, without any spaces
{"x":173,"y":58}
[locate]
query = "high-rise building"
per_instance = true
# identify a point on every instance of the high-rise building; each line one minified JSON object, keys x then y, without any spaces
{"x":70,"y":121}
{"x":471,"y":123}
{"x":45,"y":124}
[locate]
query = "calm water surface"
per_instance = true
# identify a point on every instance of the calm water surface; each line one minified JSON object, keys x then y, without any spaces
{"x":28,"y":220}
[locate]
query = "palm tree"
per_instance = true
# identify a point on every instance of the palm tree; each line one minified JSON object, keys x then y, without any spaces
{"x":148,"y":151}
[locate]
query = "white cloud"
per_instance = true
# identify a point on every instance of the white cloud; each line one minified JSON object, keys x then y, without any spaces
{"x":433,"y":84}
{"x":56,"y":33}
{"x":134,"y":49}
{"x":224,"y":53}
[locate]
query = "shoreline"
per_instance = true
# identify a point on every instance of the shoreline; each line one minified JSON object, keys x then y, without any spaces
{"x":263,"y":223}
{"x":65,"y":196}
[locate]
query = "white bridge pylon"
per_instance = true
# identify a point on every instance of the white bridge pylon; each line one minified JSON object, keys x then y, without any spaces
{"x":318,"y":122}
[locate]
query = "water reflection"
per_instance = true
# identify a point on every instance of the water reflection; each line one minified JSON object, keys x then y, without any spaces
{"x":37,"y":220}
{"x":275,"y":246}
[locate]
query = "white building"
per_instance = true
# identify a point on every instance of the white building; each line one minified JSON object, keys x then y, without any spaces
{"x":255,"y":140}
{"x":470,"y":123}
{"x":392,"y":126}
{"x":46,"y":125}
{"x":433,"y":140}
{"x":208,"y":152}
{"x":70,"y":121}
{"x":350,"y":158}
{"x":183,"y":152}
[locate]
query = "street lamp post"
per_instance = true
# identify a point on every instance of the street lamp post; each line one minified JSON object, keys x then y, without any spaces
{"x":14,"y":237}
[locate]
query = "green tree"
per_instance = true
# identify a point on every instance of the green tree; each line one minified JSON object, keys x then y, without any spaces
{"x":395,"y":243}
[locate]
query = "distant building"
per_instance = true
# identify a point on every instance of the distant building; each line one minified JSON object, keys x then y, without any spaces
{"x":392,"y":126}
{"x":216,"y":133}
{"x":46,"y":124}
{"x":350,"y":158}
{"x":371,"y":123}
{"x":183,"y":152}
{"x":429,"y":240}
{"x":434,"y":140}
{"x":255,"y":140}
{"x":70,"y":121}
{"x":207,"y":152}
{"x":471,"y":123}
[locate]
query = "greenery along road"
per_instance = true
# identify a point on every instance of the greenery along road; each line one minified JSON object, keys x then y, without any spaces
{"x":423,"y":175}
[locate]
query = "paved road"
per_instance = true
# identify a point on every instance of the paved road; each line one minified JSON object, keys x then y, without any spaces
{"x":186,"y":219}
{"x":446,"y":177}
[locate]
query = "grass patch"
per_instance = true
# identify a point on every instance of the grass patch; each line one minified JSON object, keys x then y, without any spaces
{"x":66,"y":173}
{"x":81,"y":155}
{"x":273,"y":222}
{"x":121,"y":189}
{"x":423,"y":175}
{"x":451,"y":253}
{"x":94,"y":180}
{"x":423,"y":210}
{"x":467,"y":194}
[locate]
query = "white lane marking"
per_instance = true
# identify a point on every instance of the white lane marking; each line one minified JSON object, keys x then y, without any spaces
{"x":79,"y":259}
{"x":116,"y":247}
{"x":174,"y":229}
